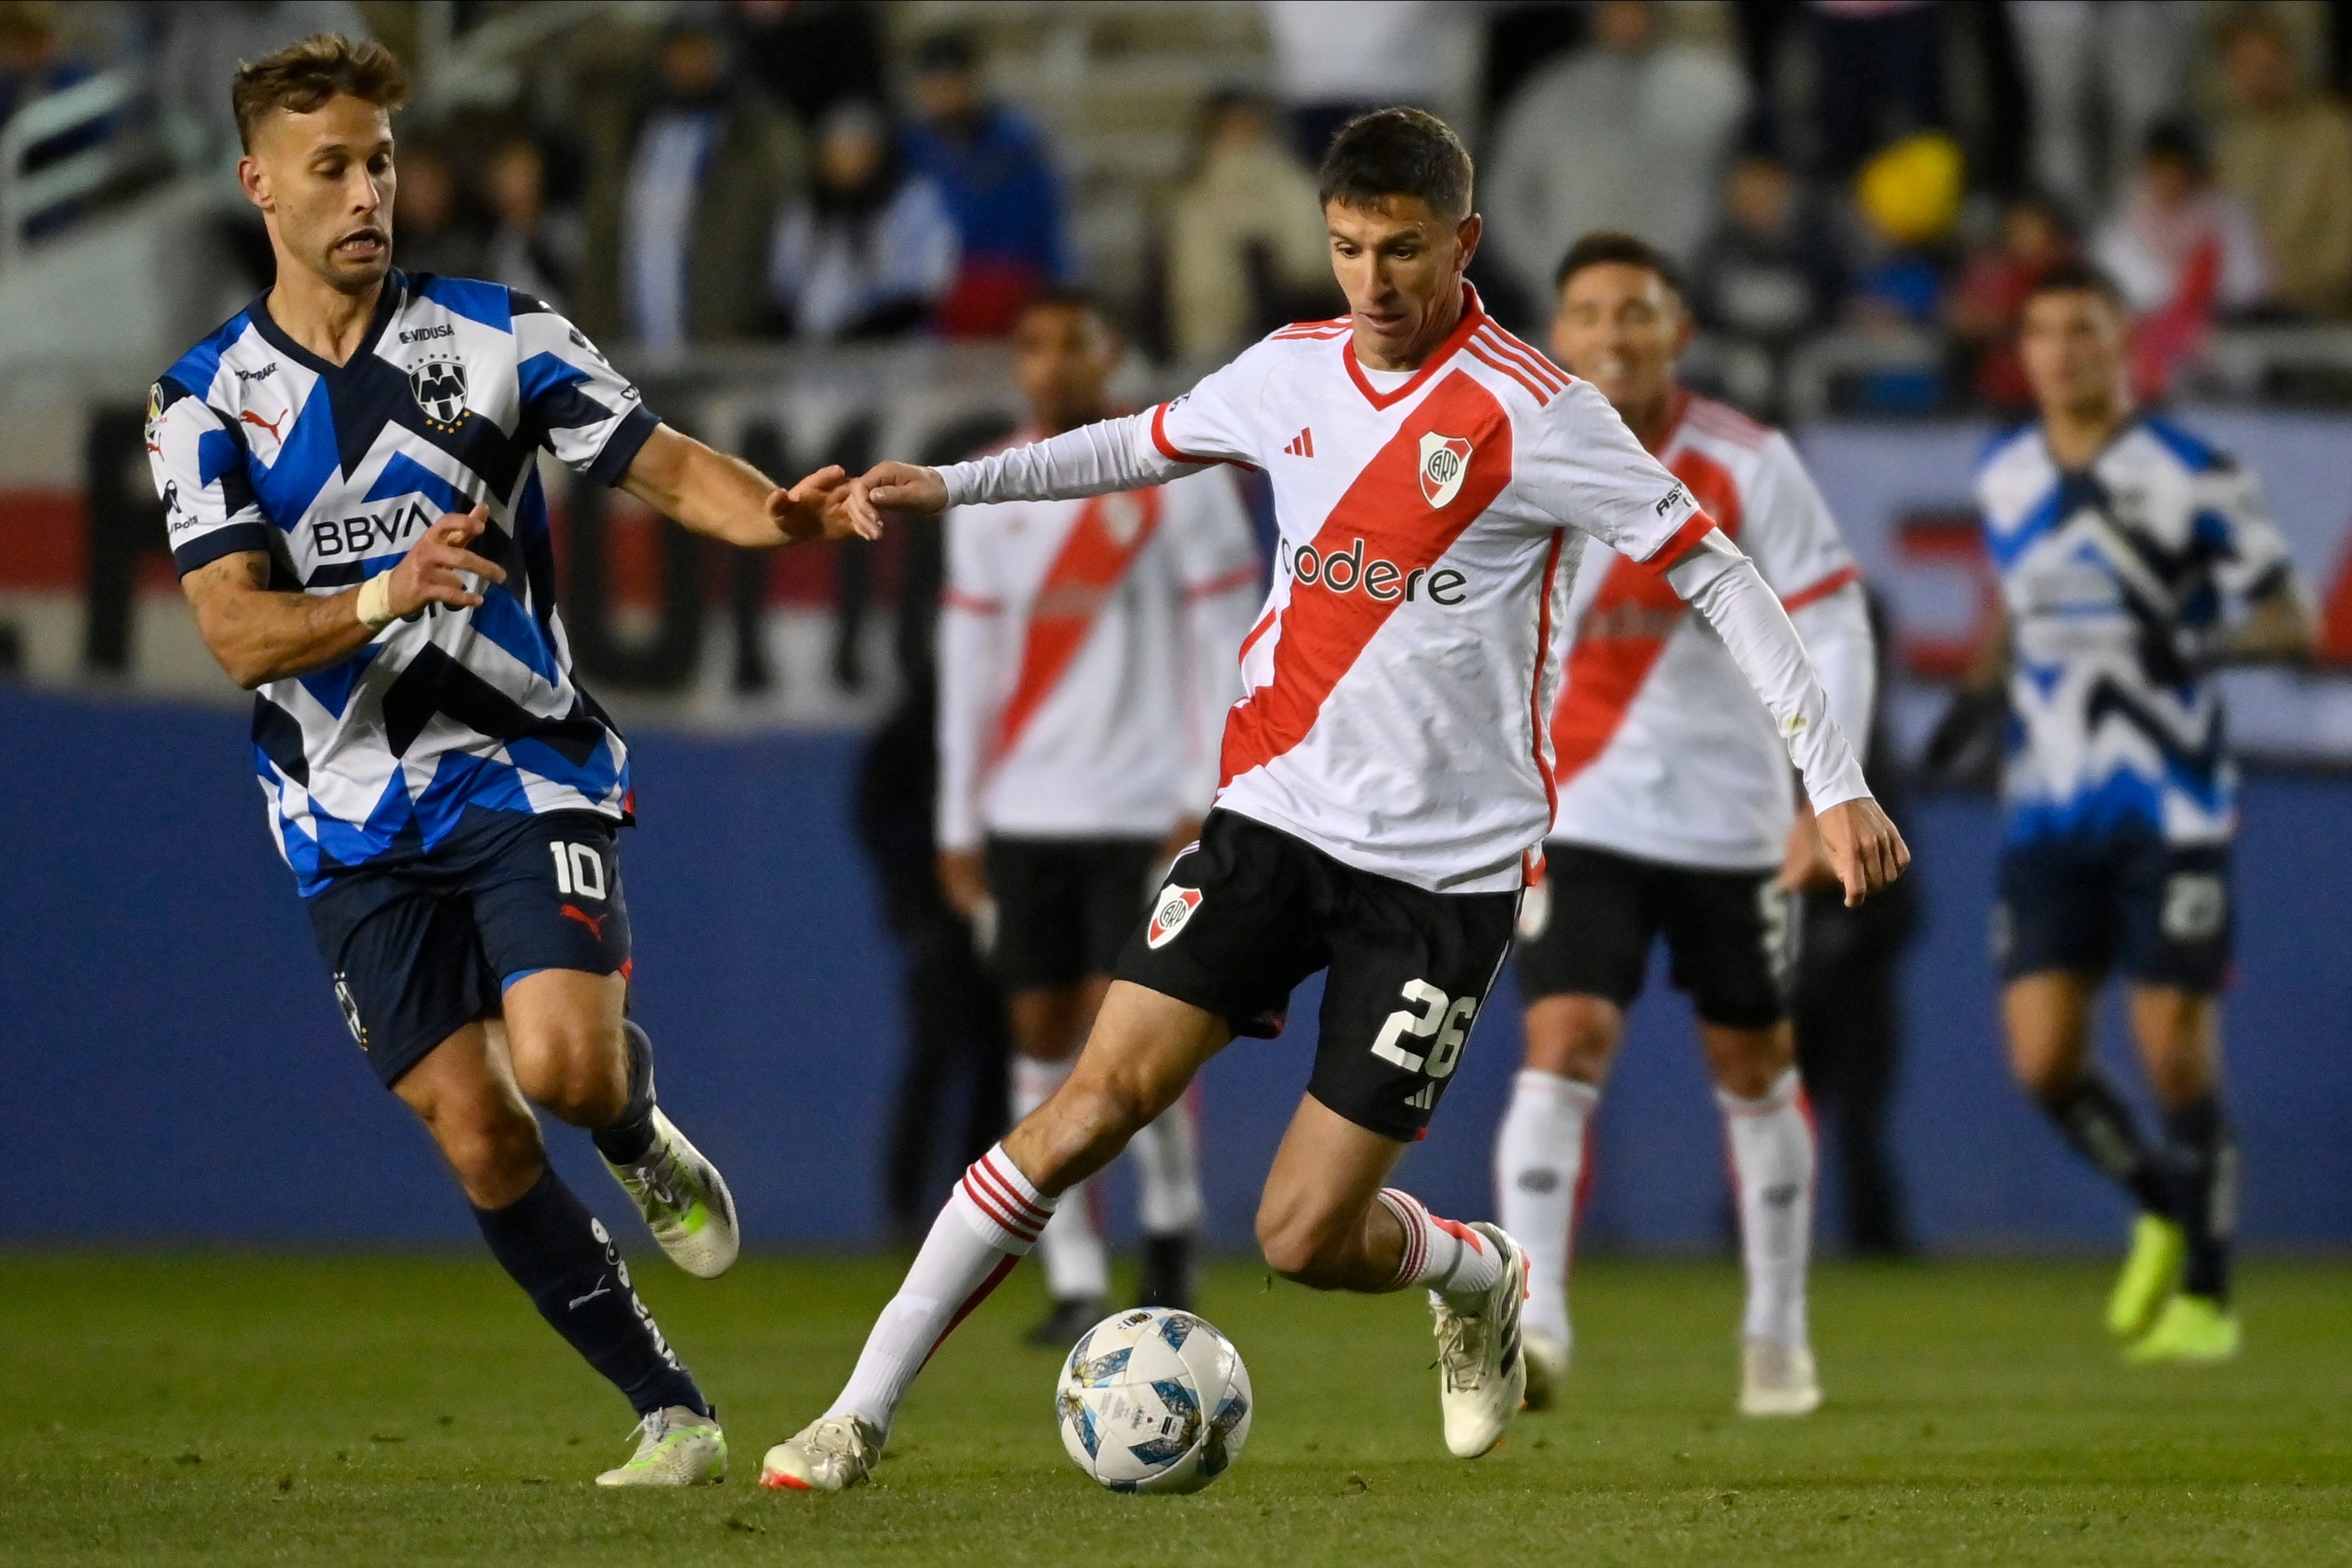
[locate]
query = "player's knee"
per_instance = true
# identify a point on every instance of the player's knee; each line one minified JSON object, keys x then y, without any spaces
{"x":579,"y":1071}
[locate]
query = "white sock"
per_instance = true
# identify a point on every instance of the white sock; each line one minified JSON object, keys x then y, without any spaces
{"x":1448,"y":1257}
{"x":1167,"y":1155}
{"x":1772,"y":1158}
{"x":1077,"y":1264}
{"x":1538,"y":1162}
{"x":991,"y":1220}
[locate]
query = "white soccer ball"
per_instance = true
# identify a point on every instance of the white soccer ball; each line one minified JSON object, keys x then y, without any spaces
{"x":1154,"y":1400}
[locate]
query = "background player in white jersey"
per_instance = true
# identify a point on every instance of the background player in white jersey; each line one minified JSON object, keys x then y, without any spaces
{"x":348,"y":472}
{"x":1385,"y":777}
{"x":1087,"y":654}
{"x":1677,"y":816}
{"x":2119,"y":537}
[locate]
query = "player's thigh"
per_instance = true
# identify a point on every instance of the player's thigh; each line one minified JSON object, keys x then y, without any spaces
{"x":563,"y":1032}
{"x":1598,"y":919}
{"x":2178,"y":1033}
{"x":1731,"y":938}
{"x":1410,"y":971}
{"x":1325,"y":1176}
{"x":2047,"y":1017}
{"x":1038,"y":886}
{"x":407,"y":963}
{"x":1145,"y":1049}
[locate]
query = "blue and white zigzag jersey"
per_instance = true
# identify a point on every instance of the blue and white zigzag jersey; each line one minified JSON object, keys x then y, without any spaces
{"x":2112,"y":575}
{"x":334,"y":471}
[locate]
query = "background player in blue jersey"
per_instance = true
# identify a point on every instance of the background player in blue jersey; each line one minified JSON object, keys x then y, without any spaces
{"x":2118,"y":537}
{"x":348,"y":469}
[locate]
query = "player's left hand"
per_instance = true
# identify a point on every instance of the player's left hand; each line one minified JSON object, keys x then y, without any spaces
{"x":814,"y":509}
{"x":1805,"y":863}
{"x":1864,"y":849}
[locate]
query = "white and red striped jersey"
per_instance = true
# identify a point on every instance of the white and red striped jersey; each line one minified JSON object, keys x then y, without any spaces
{"x":1661,"y":748}
{"x":1400,"y":683}
{"x":1087,"y":655}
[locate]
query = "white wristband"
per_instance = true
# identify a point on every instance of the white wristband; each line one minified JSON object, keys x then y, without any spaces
{"x":376,"y":602}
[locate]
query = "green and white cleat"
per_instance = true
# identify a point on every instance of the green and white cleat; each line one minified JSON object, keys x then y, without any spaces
{"x":831,"y":1454}
{"x":1547,"y":1370}
{"x":1482,"y":1374}
{"x":2192,"y":1331}
{"x":685,"y":1201}
{"x":1777,"y":1379}
{"x":675,"y":1448}
{"x":2149,"y":1276}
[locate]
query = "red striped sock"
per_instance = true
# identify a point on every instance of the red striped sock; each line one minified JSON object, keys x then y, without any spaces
{"x":991,"y":1221}
{"x":1442,"y":1254}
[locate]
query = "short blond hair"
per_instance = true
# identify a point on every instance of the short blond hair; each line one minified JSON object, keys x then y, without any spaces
{"x":301,"y":77}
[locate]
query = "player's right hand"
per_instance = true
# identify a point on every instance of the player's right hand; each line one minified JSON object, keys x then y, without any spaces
{"x":1864,"y":847}
{"x":427,"y":574}
{"x":902,"y":486}
{"x":963,"y":880}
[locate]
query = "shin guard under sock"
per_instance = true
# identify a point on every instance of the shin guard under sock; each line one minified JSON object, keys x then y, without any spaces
{"x":560,"y":1254}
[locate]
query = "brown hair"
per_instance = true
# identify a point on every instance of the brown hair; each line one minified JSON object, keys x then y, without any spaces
{"x":1397,"y":152}
{"x":302,"y":75}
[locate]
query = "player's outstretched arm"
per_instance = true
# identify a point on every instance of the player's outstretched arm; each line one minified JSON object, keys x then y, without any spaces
{"x":260,"y":635}
{"x":1724,"y":585}
{"x":726,"y":498}
{"x":1092,"y":460}
{"x":2278,"y":628}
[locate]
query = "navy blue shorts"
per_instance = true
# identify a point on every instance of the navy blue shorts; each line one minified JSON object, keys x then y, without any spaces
{"x":2159,"y":913}
{"x":421,"y":948}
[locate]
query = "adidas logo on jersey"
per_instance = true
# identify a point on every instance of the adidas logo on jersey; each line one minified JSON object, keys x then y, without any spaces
{"x":1301,"y":445}
{"x":1444,"y":463}
{"x":1169,"y":915}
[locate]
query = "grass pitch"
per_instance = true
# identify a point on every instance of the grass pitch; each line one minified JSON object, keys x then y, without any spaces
{"x":354,"y":1411}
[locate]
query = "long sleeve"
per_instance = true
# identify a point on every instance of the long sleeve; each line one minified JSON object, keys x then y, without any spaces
{"x":969,"y":682}
{"x":1092,"y":460}
{"x":1724,"y":585}
{"x":1836,"y":629}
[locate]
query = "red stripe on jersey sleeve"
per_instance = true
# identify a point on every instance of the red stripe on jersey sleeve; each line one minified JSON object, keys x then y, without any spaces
{"x":1822,"y":590}
{"x":1383,"y":517}
{"x":1534,"y":363}
{"x":1168,"y":448}
{"x":1479,"y":352}
{"x":1661,"y":560}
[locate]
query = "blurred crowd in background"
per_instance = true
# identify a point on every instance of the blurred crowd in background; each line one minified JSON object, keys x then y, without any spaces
{"x":1891,"y":173}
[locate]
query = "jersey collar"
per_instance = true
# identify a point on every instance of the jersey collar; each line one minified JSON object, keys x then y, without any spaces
{"x":387,"y":301}
{"x":1474,"y":316}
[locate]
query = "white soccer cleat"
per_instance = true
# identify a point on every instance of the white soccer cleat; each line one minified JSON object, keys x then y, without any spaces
{"x":831,"y":1454}
{"x":1547,"y":1370}
{"x":1777,"y":1379}
{"x":685,"y":1201}
{"x":1482,"y":1374}
{"x":675,"y":1448}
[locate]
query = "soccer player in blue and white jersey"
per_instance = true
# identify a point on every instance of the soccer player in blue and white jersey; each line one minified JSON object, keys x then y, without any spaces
{"x":349,"y":470}
{"x":2119,"y":537}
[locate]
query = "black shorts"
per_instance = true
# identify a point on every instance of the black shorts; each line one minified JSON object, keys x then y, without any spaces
{"x":1249,"y":912}
{"x":423,"y":948}
{"x":2159,"y":913}
{"x":1731,"y":934}
{"x":1066,"y":907}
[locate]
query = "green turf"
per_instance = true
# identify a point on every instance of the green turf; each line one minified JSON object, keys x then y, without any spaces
{"x":411,"y":1410}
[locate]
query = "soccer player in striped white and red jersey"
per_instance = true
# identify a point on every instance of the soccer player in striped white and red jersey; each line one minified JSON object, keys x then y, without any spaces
{"x":1677,"y":816}
{"x":1087,"y":655}
{"x":1386,"y":775}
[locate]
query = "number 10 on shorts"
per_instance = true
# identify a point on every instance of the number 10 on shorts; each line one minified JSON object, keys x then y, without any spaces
{"x":1433,"y":1013}
{"x":579,"y":871}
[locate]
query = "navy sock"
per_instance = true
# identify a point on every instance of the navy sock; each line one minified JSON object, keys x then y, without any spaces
{"x":2205,"y":1158}
{"x":560,"y":1254}
{"x":631,"y":1135}
{"x":2103,"y":1130}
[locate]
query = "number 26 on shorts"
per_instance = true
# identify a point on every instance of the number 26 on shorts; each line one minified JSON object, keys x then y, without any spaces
{"x":1433,"y":1013}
